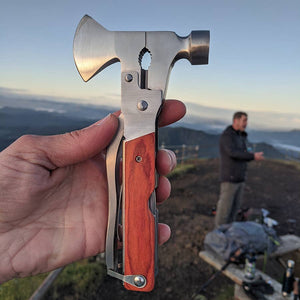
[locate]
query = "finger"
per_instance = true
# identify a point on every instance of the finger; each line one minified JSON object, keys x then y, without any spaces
{"x":116,"y":113}
{"x":163,"y":190}
{"x":172,"y":111}
{"x":77,"y":146}
{"x":164,"y":233}
{"x":165,"y":161}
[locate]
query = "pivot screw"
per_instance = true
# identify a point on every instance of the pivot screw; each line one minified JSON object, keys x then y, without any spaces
{"x":142,"y":105}
{"x":138,"y":159}
{"x":128,"y":77}
{"x":139,"y":281}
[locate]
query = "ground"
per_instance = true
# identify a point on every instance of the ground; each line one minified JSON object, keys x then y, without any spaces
{"x":273,"y":185}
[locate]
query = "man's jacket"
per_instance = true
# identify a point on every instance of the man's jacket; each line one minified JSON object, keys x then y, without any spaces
{"x":234,"y":155}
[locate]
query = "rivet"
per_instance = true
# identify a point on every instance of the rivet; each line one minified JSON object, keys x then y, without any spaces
{"x":128,"y":77}
{"x":138,"y":159}
{"x":142,"y":105}
{"x":139,"y":281}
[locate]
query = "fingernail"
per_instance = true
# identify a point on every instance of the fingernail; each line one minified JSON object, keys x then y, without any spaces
{"x":173,"y":159}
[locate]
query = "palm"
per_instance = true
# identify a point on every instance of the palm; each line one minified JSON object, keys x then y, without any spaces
{"x":73,"y":212}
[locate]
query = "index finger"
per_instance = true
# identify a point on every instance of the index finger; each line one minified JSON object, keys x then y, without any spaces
{"x":172,"y":111}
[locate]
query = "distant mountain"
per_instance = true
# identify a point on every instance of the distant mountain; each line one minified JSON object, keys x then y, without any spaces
{"x":46,"y":117}
{"x":15,"y":122}
{"x":284,"y":141}
{"x":206,"y":145}
{"x":22,"y":115}
{"x":213,"y":126}
{"x":67,"y":109}
{"x":291,"y":137}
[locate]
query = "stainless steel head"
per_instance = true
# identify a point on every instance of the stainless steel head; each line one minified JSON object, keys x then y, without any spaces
{"x":95,"y":48}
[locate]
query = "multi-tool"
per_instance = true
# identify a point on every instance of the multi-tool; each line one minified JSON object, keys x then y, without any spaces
{"x":132,"y":216}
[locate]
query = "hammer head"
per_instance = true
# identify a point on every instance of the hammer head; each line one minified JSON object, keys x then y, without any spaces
{"x":95,"y":48}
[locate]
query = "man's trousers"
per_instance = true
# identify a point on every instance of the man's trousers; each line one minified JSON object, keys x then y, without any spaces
{"x":229,"y":203}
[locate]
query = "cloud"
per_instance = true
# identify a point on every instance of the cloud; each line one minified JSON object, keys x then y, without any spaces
{"x":12,"y":91}
{"x":22,"y":94}
{"x":266,"y":120}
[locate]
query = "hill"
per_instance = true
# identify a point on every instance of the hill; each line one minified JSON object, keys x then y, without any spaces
{"x":207,"y":144}
{"x":273,"y":185}
{"x":15,"y":122}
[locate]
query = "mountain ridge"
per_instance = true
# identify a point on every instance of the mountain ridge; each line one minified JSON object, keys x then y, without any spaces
{"x":16,"y":121}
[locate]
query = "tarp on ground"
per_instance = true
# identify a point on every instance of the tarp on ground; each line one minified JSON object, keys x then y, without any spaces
{"x":247,"y":236}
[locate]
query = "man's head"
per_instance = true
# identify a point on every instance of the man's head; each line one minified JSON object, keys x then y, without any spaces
{"x":240,"y":120}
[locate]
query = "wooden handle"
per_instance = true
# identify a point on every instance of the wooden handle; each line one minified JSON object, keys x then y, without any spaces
{"x":139,"y":223}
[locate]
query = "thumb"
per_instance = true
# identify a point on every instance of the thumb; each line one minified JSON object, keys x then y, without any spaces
{"x":77,"y":146}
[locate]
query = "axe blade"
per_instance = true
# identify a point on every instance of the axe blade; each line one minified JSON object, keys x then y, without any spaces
{"x":93,"y":48}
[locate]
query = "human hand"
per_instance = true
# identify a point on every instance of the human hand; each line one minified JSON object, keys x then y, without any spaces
{"x":259,"y":156}
{"x":54,"y":198}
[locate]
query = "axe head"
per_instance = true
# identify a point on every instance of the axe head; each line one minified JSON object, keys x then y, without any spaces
{"x":95,"y":48}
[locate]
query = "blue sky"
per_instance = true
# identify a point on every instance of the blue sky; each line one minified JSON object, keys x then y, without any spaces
{"x":254,"y":53}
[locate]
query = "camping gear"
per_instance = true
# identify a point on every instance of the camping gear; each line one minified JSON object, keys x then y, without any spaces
{"x":288,"y":278}
{"x":236,"y":257}
{"x":257,"y":289}
{"x":250,"y":267}
{"x":247,"y":236}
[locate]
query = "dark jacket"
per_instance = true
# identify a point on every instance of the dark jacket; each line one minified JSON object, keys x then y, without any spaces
{"x":234,"y":155}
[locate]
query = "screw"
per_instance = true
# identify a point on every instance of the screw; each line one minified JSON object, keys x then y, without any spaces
{"x":128,"y":77}
{"x":142,"y":105}
{"x":139,"y":281}
{"x":138,"y":159}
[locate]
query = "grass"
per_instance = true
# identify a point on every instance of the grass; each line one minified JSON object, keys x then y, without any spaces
{"x":79,"y":280}
{"x":22,"y":288}
{"x":292,"y":163}
{"x":226,"y":293}
{"x":181,"y":169}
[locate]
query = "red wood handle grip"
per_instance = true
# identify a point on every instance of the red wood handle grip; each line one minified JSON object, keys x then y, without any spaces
{"x":139,"y":223}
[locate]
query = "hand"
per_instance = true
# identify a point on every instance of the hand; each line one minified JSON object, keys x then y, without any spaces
{"x":53,"y":196}
{"x":259,"y":156}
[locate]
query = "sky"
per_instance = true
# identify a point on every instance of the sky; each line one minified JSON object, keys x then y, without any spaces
{"x":254,"y":62}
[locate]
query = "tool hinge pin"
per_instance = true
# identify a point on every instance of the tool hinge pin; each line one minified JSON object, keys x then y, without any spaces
{"x":128,"y":77}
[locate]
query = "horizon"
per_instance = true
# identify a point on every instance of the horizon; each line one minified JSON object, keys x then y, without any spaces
{"x":195,"y":112}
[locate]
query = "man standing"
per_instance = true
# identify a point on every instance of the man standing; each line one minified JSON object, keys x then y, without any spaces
{"x":234,"y":157}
